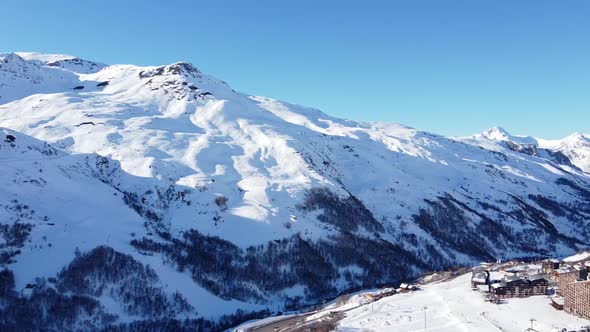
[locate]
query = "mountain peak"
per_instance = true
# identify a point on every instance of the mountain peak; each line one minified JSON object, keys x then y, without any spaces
{"x":497,"y":133}
{"x":9,"y":57}
{"x":183,"y":67}
{"x":576,"y":139}
{"x":176,"y":69}
{"x":502,"y":135}
{"x":577,"y":136}
{"x":11,"y":60}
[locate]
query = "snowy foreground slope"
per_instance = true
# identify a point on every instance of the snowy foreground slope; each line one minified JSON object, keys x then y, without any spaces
{"x":226,"y":206}
{"x":452,"y":306}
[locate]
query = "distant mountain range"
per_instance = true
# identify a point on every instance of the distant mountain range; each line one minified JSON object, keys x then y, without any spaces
{"x":135,"y":198}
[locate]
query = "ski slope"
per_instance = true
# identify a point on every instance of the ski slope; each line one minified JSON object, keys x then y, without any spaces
{"x":452,"y":306}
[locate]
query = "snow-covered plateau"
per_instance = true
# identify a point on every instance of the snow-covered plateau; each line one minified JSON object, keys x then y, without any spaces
{"x":144,"y":198}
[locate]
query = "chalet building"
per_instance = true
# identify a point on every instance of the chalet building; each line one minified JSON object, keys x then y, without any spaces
{"x":577,"y":298}
{"x":557,"y":302}
{"x":381,"y":294}
{"x":514,"y":286}
{"x":483,"y":288}
{"x":550,"y":265}
{"x":405,"y":288}
{"x":479,"y":278}
{"x":498,"y":289}
{"x":539,"y":284}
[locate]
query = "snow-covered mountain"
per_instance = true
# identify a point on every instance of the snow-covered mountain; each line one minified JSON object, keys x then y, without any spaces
{"x":573,"y":150}
{"x":223,"y":206}
{"x":576,"y":147}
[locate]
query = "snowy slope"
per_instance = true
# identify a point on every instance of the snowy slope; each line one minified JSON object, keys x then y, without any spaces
{"x":46,"y":204}
{"x":453,"y":306}
{"x":261,"y":204}
{"x":574,"y":149}
{"x":24,"y":74}
{"x":577,"y":257}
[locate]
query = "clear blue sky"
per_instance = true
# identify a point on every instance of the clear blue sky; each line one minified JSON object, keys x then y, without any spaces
{"x":451,"y":67}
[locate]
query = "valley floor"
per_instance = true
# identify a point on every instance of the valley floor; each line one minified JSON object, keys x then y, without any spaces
{"x":452,"y":306}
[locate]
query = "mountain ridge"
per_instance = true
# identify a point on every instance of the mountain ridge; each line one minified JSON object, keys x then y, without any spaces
{"x":251,"y":203}
{"x":575,"y":147}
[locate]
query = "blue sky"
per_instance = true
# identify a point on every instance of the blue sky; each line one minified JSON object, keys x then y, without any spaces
{"x":451,"y":67}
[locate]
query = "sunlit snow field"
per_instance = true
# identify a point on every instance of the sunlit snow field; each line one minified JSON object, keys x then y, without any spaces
{"x":453,"y":306}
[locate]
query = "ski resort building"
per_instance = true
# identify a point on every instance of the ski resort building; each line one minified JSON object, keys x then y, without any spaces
{"x":512,"y":280}
{"x":479,"y":278}
{"x":550,"y":265}
{"x":405,"y":288}
{"x":574,"y":287}
{"x":514,"y":286}
{"x":568,"y":275}
{"x":577,"y":298}
{"x":557,"y":302}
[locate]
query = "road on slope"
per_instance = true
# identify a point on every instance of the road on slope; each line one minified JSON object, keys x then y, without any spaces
{"x":280,"y":325}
